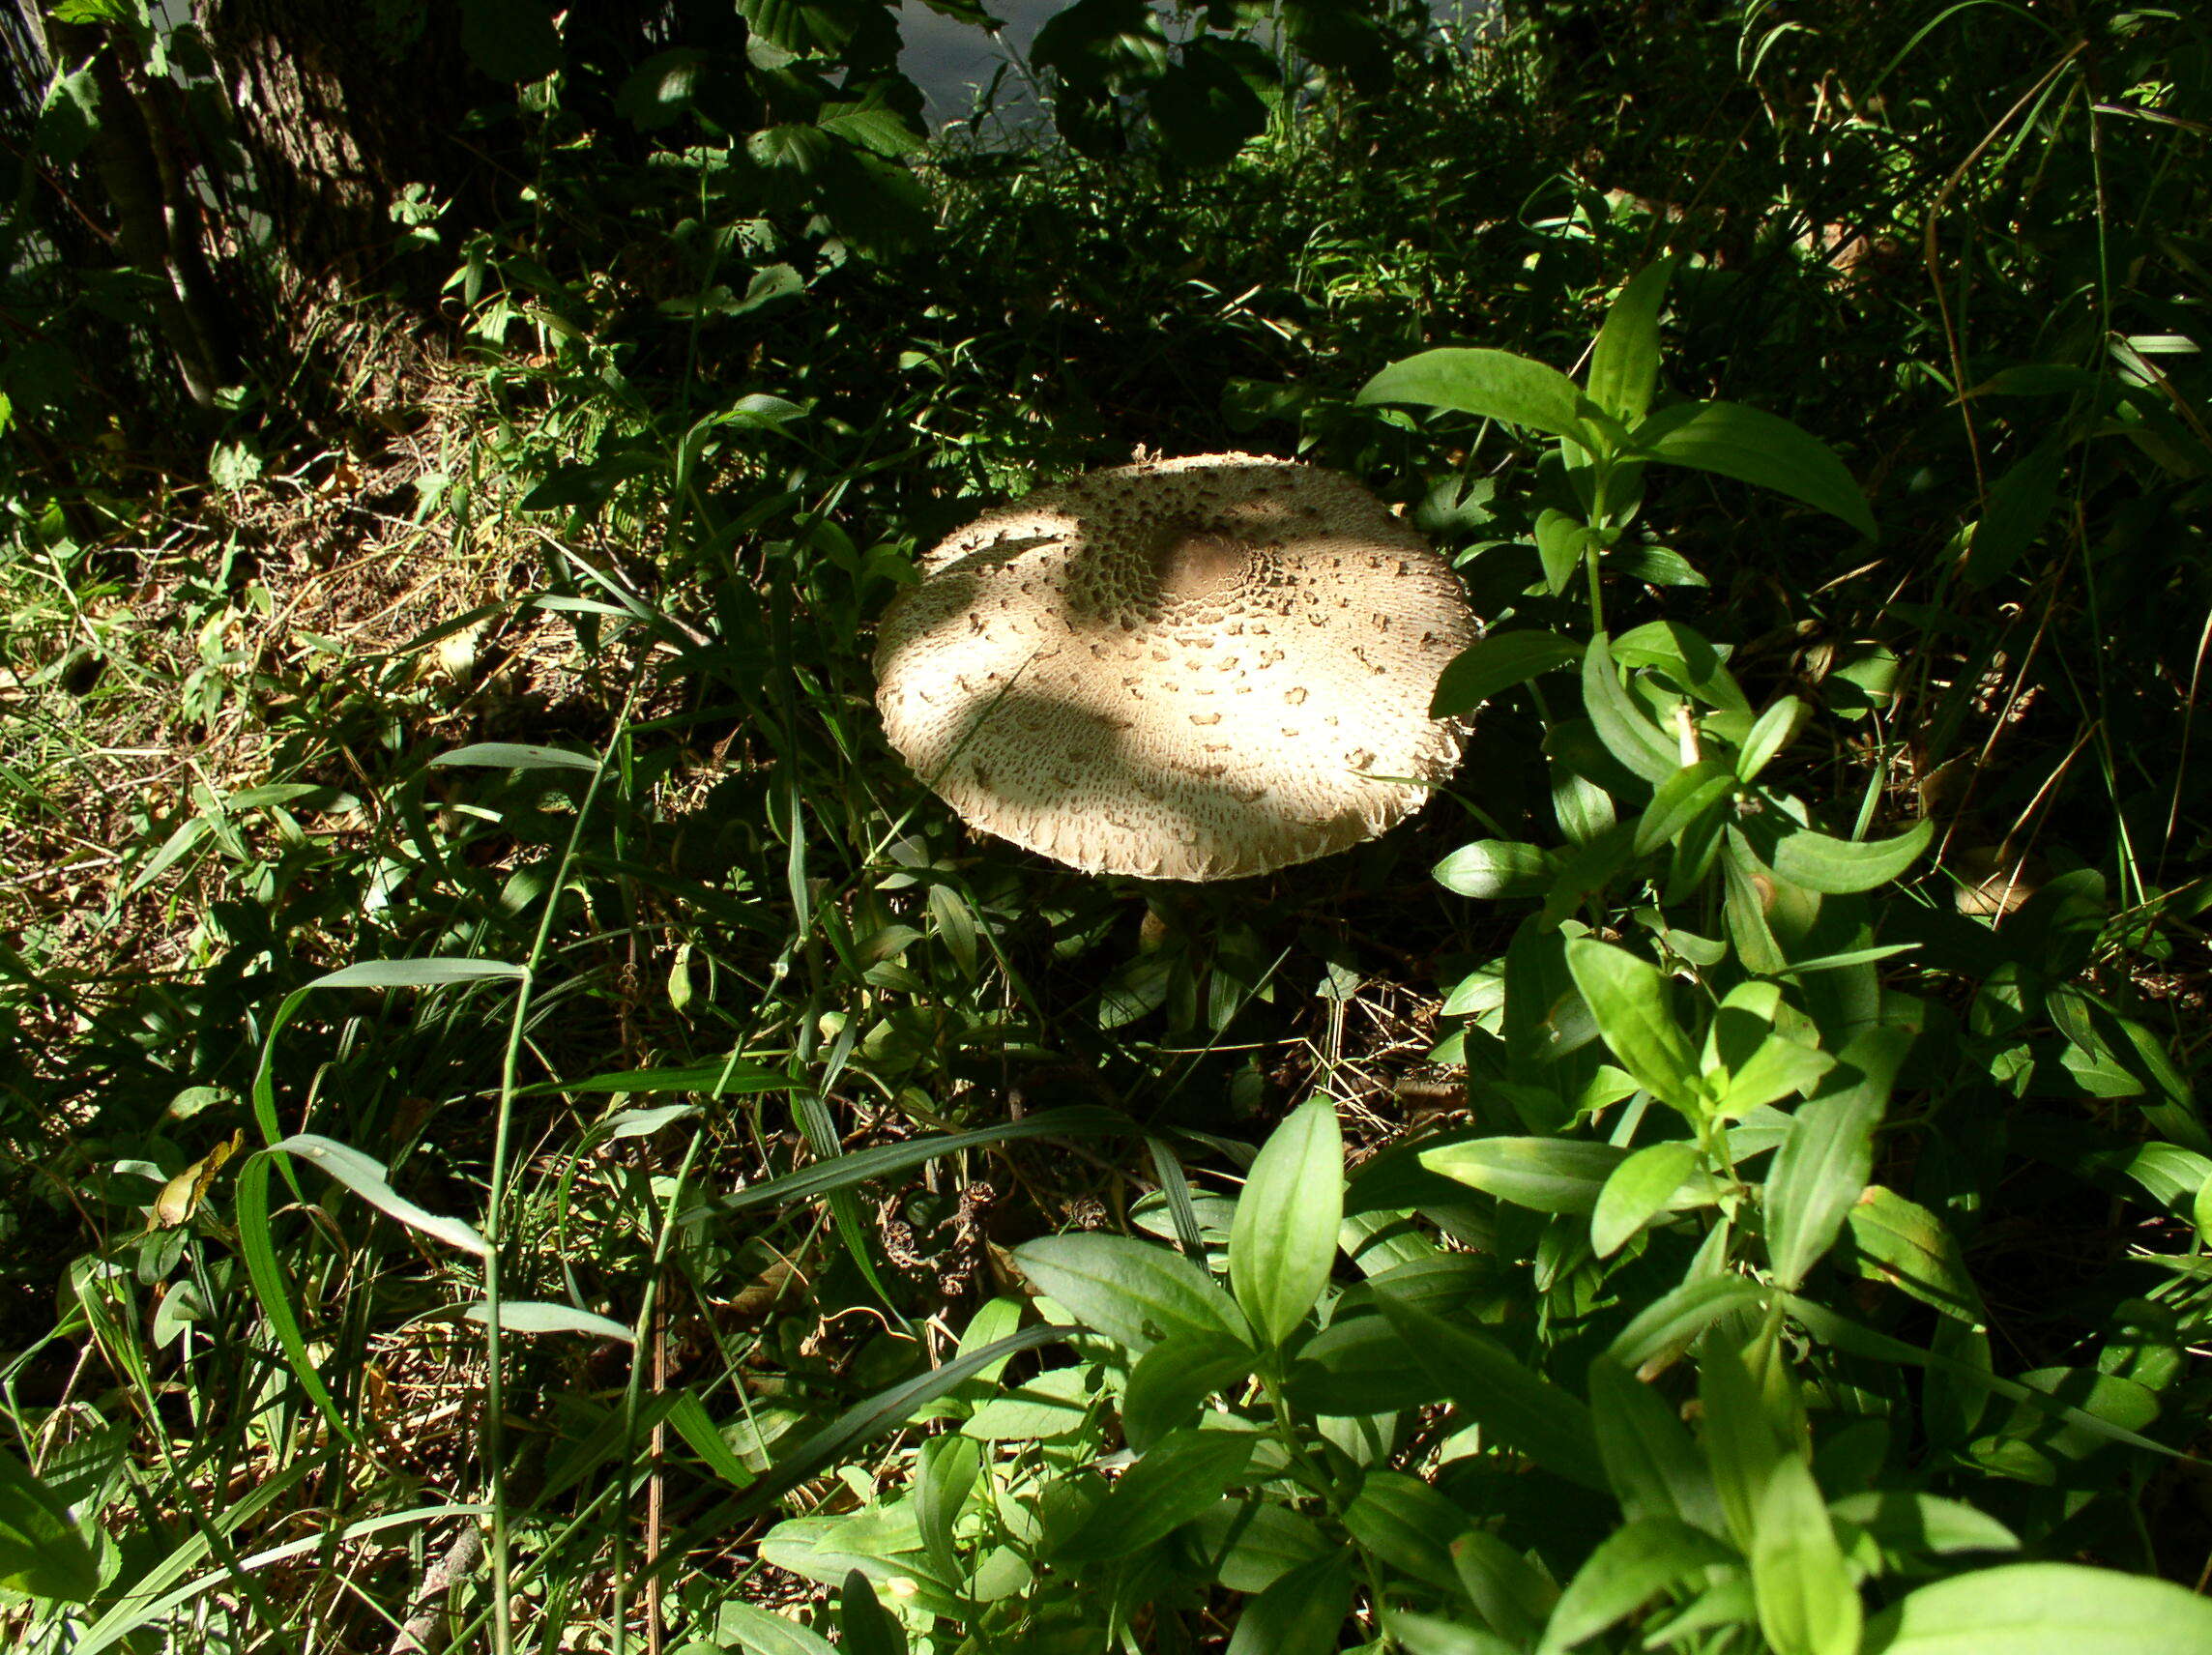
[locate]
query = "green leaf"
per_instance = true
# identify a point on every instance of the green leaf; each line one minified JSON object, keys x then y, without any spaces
{"x":1629,"y":1566}
{"x":1248,"y":1545}
{"x":726,"y":1078}
{"x":1755,"y":447}
{"x":1824,"y":1162}
{"x":1624,"y":362}
{"x":1496,"y":385}
{"x":1173,"y":1378}
{"x":1300,"y":1615}
{"x":1741,"y":1445}
{"x":945,"y":1470}
{"x":366,"y":1177}
{"x":1774,"y":730}
{"x":513,"y":756}
{"x":1134,"y":1293}
{"x":1497,"y":664}
{"x":1913,"y":1525}
{"x":1420,"y":1634}
{"x":537,"y":1316}
{"x":1494,"y":868}
{"x":1807,"y":1602}
{"x":1628,"y":735}
{"x":250,"y":1204}
{"x":2045,"y":1608}
{"x":1628,"y":996}
{"x":1283,"y":1241}
{"x":761,"y":1633}
{"x":1902,"y":1243}
{"x":1408,"y":1525}
{"x":1778,"y":1067}
{"x":42,"y":1553}
{"x":1552,"y":1174}
{"x":1838,"y":867}
{"x":868,"y":1627}
{"x":1507,"y":1590}
{"x":1679,"y":800}
{"x":1652,"y":1465}
{"x":1357,"y":1365}
{"x":1176,"y":1479}
{"x":1635,"y":1190}
{"x":1513,"y":1406}
{"x":2020,"y":505}
{"x":1671,"y":1322}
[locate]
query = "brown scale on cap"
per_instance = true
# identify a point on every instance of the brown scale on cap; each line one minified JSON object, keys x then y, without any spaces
{"x":992,"y":683}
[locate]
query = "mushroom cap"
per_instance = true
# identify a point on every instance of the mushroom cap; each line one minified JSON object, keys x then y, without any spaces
{"x":1186,"y":669}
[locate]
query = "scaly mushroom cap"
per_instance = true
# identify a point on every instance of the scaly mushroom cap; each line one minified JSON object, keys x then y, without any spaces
{"x":1184,"y":669}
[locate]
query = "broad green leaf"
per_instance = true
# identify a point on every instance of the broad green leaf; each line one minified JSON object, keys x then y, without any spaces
{"x":1825,"y":1325}
{"x":1552,"y":1174}
{"x":413,"y":973}
{"x":1780,"y":1067}
{"x":1756,"y":448}
{"x":1742,"y":1446}
{"x":1172,"y":1379}
{"x":1902,"y":1243}
{"x":1563,"y":542}
{"x":761,"y":1633}
{"x":1628,"y":996}
{"x":1178,"y":1478}
{"x":1301,"y":1613}
{"x":1420,"y":1634}
{"x":537,"y":1316}
{"x":1624,"y":362}
{"x":1506,"y":1589}
{"x":945,"y":1470}
{"x":1496,"y":664}
{"x":513,"y":756}
{"x":1357,"y":1365}
{"x":1638,"y":1189}
{"x":2045,"y":1608}
{"x":1496,"y":385}
{"x":1650,"y":1459}
{"x":1679,"y":800}
{"x":1773,"y":731}
{"x":2036,"y":1448}
{"x":868,"y":1627}
{"x":1493,"y":868}
{"x":1824,"y":1163}
{"x":1133,"y":1292}
{"x":1248,"y":1545}
{"x":1512,"y":1405}
{"x":1283,"y":1241}
{"x":1636,"y":742}
{"x":1840,"y":867}
{"x":1408,"y":1525}
{"x":1629,"y":1566}
{"x":1912,"y":1524}
{"x":42,"y":1553}
{"x":366,"y":1177}
{"x":1807,"y":1602}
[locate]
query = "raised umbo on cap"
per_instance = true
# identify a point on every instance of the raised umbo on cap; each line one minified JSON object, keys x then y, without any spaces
{"x":1181,"y":669}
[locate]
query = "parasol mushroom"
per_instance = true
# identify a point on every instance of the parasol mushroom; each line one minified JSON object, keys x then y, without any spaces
{"x":1188,"y":669}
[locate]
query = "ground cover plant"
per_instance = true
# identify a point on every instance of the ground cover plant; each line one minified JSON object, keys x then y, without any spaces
{"x":525,"y":1128}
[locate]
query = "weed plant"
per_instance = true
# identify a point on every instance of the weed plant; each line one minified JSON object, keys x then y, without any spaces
{"x":526,"y":1129}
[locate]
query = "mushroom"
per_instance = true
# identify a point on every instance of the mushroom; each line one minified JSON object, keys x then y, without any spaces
{"x":1188,"y":669}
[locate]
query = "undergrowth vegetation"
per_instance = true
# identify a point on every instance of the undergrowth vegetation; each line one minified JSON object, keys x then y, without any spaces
{"x":524,"y":1127}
